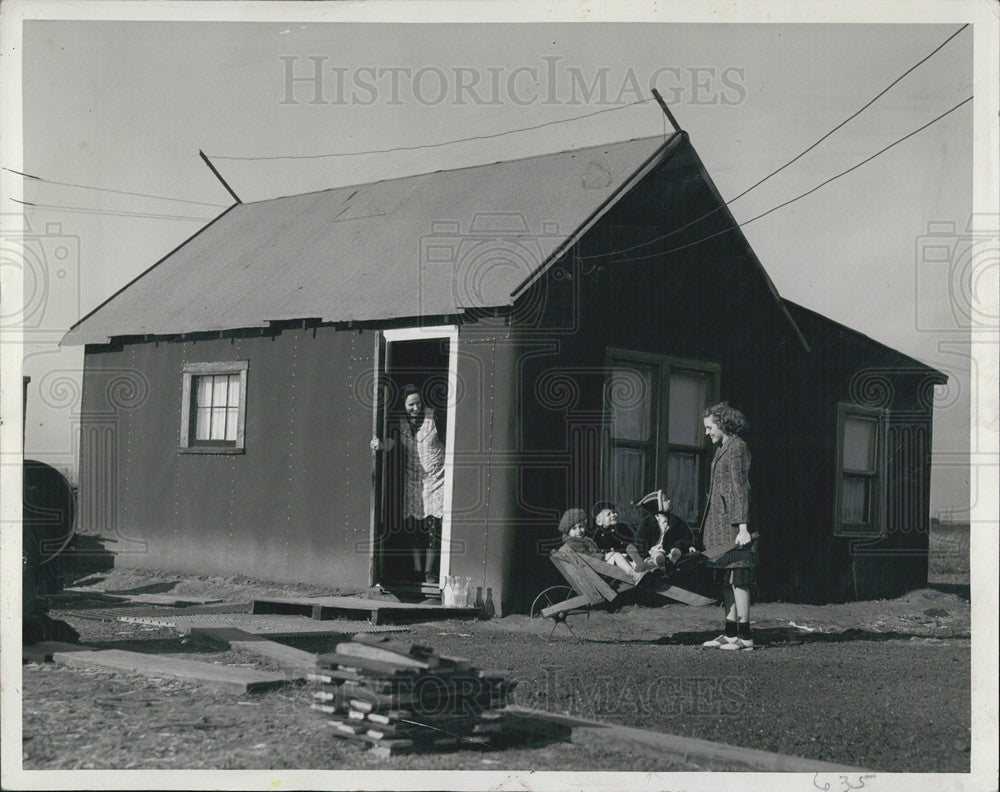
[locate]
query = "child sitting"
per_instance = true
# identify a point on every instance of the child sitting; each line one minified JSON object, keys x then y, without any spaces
{"x":615,"y":538}
{"x":675,"y":539}
{"x":573,"y":527}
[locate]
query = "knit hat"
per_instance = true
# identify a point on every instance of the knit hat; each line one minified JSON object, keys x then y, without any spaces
{"x":570,"y":518}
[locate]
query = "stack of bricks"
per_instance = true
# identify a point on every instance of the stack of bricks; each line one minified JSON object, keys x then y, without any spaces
{"x":402,"y":698}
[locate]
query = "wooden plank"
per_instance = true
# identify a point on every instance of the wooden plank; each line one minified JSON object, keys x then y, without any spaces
{"x":401,"y":614}
{"x":565,"y":605}
{"x":574,"y":577}
{"x":370,"y":610}
{"x":366,"y":665}
{"x":429,"y":702}
{"x":238,"y":680}
{"x":681,"y":595}
{"x":149,"y":599}
{"x":368,"y":651}
{"x":685,"y":748}
{"x":606,"y":569}
{"x":288,"y":657}
{"x":592,"y":577}
{"x":42,"y":651}
{"x":389,"y":748}
{"x":409,"y":649}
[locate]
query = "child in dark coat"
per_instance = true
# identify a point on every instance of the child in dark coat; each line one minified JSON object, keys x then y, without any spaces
{"x":665,"y":540}
{"x":616,"y":539}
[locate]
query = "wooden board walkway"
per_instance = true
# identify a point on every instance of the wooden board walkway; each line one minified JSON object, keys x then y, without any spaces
{"x":43,"y":651}
{"x":296,"y":663}
{"x":268,"y":625}
{"x":375,"y":611}
{"x":149,"y":599}
{"x":686,"y":748}
{"x":236,"y":680}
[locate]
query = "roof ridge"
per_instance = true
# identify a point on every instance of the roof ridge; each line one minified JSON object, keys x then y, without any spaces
{"x":358,"y":185}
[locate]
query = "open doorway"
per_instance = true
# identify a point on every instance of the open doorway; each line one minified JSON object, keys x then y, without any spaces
{"x":412,"y":476}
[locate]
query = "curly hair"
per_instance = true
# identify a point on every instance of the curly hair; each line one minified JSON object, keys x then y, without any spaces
{"x":728,"y":419}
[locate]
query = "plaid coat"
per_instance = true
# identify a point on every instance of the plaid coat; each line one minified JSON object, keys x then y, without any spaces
{"x":729,"y":502}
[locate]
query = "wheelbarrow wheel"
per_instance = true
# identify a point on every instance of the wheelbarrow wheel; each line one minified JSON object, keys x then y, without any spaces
{"x":553,"y":595}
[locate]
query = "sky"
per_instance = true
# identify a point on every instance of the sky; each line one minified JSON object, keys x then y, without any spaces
{"x":128,"y":105}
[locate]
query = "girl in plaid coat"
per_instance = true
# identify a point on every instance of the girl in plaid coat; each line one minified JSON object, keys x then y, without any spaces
{"x":725,"y":521}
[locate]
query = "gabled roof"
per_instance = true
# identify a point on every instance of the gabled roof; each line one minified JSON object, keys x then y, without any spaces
{"x":826,"y":335}
{"x":379,"y":251}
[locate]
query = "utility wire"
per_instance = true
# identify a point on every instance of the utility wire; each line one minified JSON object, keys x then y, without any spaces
{"x":436,"y":145}
{"x":109,"y":190}
{"x":805,"y":151}
{"x":853,"y":115}
{"x":863,"y":162}
{"x":84,"y":210}
{"x":783,"y":204}
{"x":624,"y":250}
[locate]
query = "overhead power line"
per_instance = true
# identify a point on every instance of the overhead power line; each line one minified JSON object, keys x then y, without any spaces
{"x":436,"y":145}
{"x":853,"y":115}
{"x":624,"y":250}
{"x":805,"y":151}
{"x":110,"y":190}
{"x":111,"y":212}
{"x":784,"y":203}
{"x":863,"y":162}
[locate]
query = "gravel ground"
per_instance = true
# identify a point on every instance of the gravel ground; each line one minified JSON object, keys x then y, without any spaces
{"x":881,"y":685}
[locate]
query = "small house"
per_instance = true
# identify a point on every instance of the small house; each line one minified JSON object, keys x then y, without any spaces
{"x":570,"y":315}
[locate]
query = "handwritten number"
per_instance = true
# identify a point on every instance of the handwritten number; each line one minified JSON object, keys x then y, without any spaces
{"x":845,"y":780}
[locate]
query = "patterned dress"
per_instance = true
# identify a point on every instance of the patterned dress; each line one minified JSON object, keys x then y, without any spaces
{"x":423,"y":453}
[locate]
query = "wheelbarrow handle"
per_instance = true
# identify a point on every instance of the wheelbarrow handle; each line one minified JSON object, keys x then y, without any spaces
{"x":718,"y":551}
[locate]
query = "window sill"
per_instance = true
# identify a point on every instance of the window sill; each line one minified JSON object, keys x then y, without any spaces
{"x":210,"y":450}
{"x":860,"y":534}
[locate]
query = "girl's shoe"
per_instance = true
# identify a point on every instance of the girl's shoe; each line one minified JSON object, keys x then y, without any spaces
{"x":721,"y":642}
{"x":737,"y":644}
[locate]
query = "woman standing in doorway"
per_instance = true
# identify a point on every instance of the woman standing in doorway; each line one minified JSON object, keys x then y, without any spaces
{"x":725,"y":521}
{"x":421,"y":438}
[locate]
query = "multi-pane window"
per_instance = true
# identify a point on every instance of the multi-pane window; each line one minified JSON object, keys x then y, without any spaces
{"x":860,"y":470}
{"x":217,"y":406}
{"x":213,"y":407}
{"x":654,"y":407}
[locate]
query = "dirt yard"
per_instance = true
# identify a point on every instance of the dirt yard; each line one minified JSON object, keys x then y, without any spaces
{"x":881,"y":685}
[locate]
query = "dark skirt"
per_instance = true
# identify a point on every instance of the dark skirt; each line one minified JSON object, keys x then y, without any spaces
{"x":738,"y":557}
{"x":744,"y":577}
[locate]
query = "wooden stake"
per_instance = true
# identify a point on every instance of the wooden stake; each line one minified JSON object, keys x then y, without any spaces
{"x":218,"y":175}
{"x":666,"y":110}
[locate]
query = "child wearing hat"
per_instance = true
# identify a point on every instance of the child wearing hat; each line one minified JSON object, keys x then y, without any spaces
{"x":573,"y":527}
{"x":667,"y":542}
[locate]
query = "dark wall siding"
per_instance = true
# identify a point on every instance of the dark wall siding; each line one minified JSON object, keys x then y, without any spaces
{"x":847,"y":368}
{"x":655,"y":292}
{"x":288,"y":508}
{"x":639,"y":283}
{"x":485,"y":475}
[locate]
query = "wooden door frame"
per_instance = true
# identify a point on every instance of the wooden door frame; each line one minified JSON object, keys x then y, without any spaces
{"x":385,"y":338}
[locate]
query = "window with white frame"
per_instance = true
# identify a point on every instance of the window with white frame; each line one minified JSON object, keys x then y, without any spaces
{"x":213,"y":407}
{"x":861,"y":471}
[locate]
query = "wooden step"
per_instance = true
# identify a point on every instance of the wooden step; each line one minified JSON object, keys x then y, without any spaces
{"x":375,"y":611}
